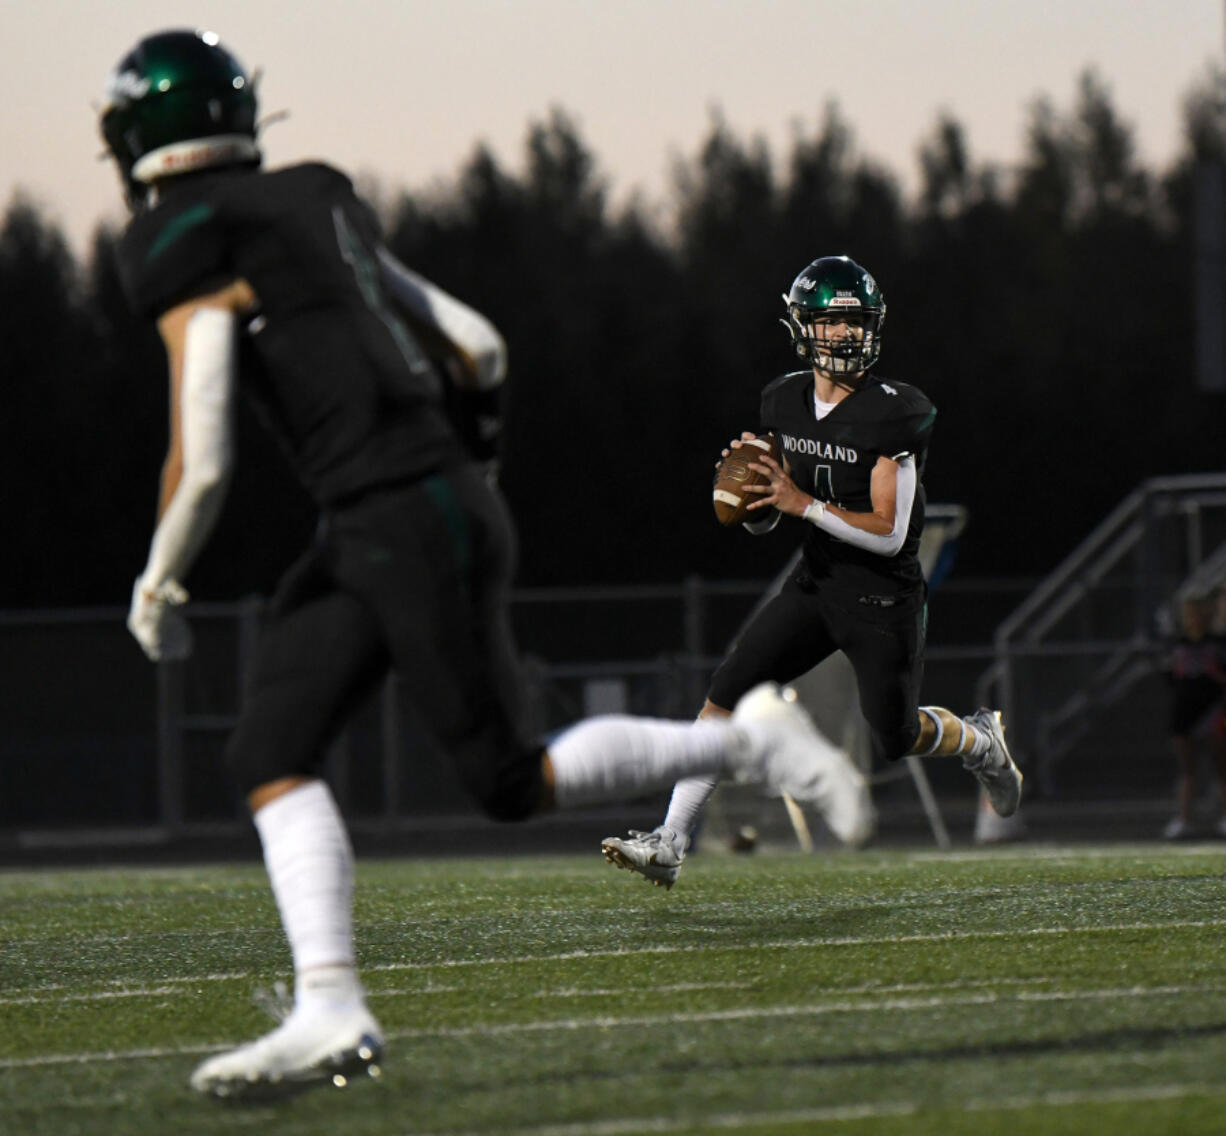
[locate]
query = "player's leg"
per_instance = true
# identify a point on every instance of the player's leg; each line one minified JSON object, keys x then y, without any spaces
{"x":319,"y":653}
{"x":1184,"y":750}
{"x":1217,"y":752}
{"x":886,"y":649}
{"x":689,"y":797}
{"x":1192,"y":701}
{"x":658,"y":855}
{"x":440,"y":589}
{"x":769,"y":741}
{"x":979,"y":740}
{"x":785,"y":639}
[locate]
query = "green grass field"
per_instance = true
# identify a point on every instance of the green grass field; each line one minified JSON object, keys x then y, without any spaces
{"x":1032,"y":990}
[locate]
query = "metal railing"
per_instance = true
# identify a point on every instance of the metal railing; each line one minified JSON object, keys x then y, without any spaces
{"x":1098,"y":624}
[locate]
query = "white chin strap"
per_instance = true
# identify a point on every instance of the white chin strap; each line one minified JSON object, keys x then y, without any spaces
{"x":833,"y":365}
{"x":196,"y":154}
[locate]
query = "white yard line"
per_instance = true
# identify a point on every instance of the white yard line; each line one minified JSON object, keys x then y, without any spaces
{"x":1030,"y":852}
{"x":876,"y":1111}
{"x":604,"y":1022}
{"x":122,"y":988}
{"x":753,"y":1013}
{"x":667,"y":949}
{"x":52,"y":996}
{"x":800,"y":944}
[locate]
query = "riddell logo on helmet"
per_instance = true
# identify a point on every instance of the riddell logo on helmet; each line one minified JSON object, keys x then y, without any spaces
{"x":843,"y":302}
{"x":127,"y":85}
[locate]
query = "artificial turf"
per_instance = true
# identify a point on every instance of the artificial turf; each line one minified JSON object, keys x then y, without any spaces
{"x":1035,"y":989}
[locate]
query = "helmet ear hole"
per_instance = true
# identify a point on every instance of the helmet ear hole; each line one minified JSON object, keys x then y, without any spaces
{"x":796,"y":332}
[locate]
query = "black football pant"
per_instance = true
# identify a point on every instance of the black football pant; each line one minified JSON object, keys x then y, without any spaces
{"x":416,"y":578}
{"x":806,"y":623}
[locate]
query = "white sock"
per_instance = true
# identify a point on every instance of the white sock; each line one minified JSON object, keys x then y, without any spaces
{"x":310,"y":867}
{"x":935,"y":719}
{"x":686,"y":805}
{"x":616,"y":757}
{"x":982,"y":742}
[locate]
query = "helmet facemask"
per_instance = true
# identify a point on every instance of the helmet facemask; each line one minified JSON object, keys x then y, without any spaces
{"x":849,"y":353}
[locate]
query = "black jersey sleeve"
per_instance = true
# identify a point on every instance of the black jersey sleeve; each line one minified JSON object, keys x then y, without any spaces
{"x":171,"y":254}
{"x":791,"y":385}
{"x":906,"y":426}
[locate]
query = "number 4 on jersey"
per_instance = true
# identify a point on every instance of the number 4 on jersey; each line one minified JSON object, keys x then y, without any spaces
{"x":823,"y":484}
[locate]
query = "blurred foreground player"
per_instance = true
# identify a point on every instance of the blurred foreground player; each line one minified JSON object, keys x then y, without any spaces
{"x":854,"y":447}
{"x":277,"y":283}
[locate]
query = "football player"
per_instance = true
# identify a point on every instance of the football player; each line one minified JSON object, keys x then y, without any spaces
{"x":854,"y":447}
{"x":277,"y":284}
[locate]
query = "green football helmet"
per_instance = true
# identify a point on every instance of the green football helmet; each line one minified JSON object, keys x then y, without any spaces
{"x":836,"y":287}
{"x":176,"y":103}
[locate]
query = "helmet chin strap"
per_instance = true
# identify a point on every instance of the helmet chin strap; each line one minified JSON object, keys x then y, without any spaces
{"x":805,"y":345}
{"x":849,"y":380}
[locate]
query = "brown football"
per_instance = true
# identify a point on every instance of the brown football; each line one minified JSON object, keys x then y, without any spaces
{"x":733,"y":474}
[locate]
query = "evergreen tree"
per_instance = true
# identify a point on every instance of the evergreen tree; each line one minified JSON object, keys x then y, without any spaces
{"x":1048,"y":310}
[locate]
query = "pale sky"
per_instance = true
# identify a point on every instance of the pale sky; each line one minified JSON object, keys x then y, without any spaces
{"x":403,"y":90}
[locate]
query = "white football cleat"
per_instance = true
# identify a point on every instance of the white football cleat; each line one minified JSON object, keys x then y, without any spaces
{"x":1177,"y":829}
{"x":995,"y":770}
{"x":656,"y":856}
{"x":799,"y":761}
{"x":311,"y":1047}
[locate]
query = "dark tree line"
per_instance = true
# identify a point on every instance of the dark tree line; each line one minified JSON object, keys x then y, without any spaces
{"x":1048,"y":310}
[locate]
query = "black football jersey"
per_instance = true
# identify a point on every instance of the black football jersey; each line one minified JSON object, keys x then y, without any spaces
{"x":333,"y":371}
{"x":832,"y":459}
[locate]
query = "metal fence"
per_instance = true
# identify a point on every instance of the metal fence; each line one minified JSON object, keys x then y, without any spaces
{"x":97,"y":742}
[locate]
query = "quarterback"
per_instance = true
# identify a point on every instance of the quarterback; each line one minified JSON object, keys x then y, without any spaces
{"x":854,"y":447}
{"x":276,"y":284}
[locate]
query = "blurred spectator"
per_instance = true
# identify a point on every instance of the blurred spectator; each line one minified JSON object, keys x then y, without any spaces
{"x":1217,"y":615}
{"x":1197,"y":672}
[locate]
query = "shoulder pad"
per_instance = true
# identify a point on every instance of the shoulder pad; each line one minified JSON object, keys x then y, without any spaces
{"x":902,"y":399}
{"x":169,"y":251}
{"x":783,"y":380}
{"x":313,"y":169}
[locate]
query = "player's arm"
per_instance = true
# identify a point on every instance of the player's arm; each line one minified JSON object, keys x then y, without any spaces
{"x":465,"y":346}
{"x":200,"y":340}
{"x":469,"y":336}
{"x":883,"y":531}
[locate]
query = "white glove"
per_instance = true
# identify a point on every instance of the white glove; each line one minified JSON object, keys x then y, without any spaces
{"x":157,"y":624}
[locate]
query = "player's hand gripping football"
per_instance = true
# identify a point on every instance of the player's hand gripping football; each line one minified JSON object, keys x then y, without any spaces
{"x":780,"y":491}
{"x":157,"y":623}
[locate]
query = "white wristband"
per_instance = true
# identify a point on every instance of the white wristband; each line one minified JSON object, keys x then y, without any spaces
{"x":813,"y":513}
